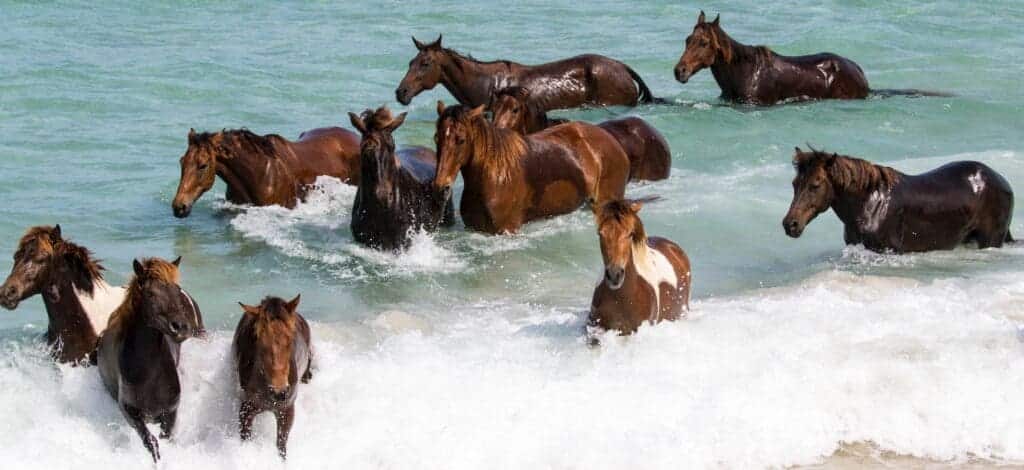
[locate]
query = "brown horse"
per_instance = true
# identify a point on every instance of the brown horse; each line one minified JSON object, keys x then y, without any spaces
{"x":585,"y":80}
{"x":138,"y":353}
{"x":887,"y":210}
{"x":396,"y":190}
{"x":756,"y":75}
{"x":272,"y":352}
{"x":645,"y":278}
{"x":511,"y":179}
{"x":264,"y":170}
{"x":648,"y":152}
{"x":78,"y":301}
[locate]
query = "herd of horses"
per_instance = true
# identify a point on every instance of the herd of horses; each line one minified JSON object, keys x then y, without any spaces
{"x":517,"y":165}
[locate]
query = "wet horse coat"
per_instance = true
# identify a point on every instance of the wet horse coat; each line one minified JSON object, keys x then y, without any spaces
{"x":886,"y":210}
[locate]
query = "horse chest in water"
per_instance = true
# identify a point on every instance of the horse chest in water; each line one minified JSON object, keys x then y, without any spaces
{"x":654,"y":268}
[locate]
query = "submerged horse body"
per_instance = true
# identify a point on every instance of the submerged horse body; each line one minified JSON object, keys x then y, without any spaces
{"x":648,"y":152}
{"x":589,"y":79}
{"x":264,"y":170}
{"x":756,"y":75}
{"x":511,"y":179}
{"x":886,"y":210}
{"x":138,"y":353}
{"x":78,"y":300}
{"x":646,"y":279}
{"x":396,"y":192}
{"x":272,"y":351}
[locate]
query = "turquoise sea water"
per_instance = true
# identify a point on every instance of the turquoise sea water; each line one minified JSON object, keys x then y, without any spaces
{"x":465,"y":351}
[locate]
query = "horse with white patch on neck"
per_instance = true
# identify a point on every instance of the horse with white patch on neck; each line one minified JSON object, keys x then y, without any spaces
{"x":645,"y":278}
{"x":78,"y":301}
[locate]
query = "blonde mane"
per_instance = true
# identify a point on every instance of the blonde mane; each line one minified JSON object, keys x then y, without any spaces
{"x":153,"y":269}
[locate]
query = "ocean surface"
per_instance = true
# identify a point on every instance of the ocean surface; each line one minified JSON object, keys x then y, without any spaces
{"x":466,"y":351}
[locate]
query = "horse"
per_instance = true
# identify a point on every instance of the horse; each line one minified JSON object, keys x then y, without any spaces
{"x":396,"y":192}
{"x":272,"y":352}
{"x":756,"y":75}
{"x":264,"y":170}
{"x":78,"y":300}
{"x":649,"y":156}
{"x":645,"y":278}
{"x":138,"y":353}
{"x":888,"y":211}
{"x":511,"y":179}
{"x":584,"y":80}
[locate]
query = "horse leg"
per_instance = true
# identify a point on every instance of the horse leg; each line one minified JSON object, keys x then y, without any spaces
{"x":285,"y":417}
{"x":167,"y":421}
{"x":246,"y":414}
{"x":990,"y":238}
{"x":308,"y":375}
{"x":135,"y":419}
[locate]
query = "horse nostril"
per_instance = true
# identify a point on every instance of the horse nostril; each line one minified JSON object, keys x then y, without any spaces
{"x":176,"y":327}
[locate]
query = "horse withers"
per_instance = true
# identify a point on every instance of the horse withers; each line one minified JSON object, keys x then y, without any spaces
{"x":396,"y":192}
{"x":264,"y":170}
{"x":645,"y":278}
{"x":272,"y":352}
{"x":649,"y":156}
{"x":584,"y":80}
{"x":138,"y":354}
{"x":78,"y":300}
{"x":885,"y":210}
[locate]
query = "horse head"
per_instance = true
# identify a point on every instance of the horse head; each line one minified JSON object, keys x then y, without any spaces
{"x":619,"y":229}
{"x":275,"y":322}
{"x":457,"y":128}
{"x":161,"y":303}
{"x":510,"y":109}
{"x":198,"y":169}
{"x":377,"y":149}
{"x":705,"y":46}
{"x":33,"y":264}
{"x":813,"y":190}
{"x":425,"y":70}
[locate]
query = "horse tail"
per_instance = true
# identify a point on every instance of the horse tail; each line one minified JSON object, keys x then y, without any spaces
{"x":646,"y":96}
{"x":1009,"y":238}
{"x":911,"y":92}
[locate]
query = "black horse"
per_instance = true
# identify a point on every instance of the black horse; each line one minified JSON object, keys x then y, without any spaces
{"x":396,"y":194}
{"x":886,"y":210}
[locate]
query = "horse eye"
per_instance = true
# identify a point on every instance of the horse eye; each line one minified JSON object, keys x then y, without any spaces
{"x":460,"y":140}
{"x":424,"y":64}
{"x":515,"y":110}
{"x":815,"y":185}
{"x":202,"y":167}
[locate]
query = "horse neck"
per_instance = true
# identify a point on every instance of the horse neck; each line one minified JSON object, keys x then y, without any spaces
{"x":472,"y":83}
{"x":491,"y":164}
{"x":249,"y":174}
{"x":731,"y":75}
{"x":144,"y":341}
{"x":849,"y":200}
{"x":373,"y":170}
{"x":66,"y":315}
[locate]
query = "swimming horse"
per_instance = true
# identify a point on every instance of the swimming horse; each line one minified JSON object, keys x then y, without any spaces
{"x":396,"y":192}
{"x":264,"y":170}
{"x":957,"y":203}
{"x":645,"y":278}
{"x":757,"y":75}
{"x":78,"y":300}
{"x":272,"y":352}
{"x":584,"y":80}
{"x":648,"y":152}
{"x":138,"y":354}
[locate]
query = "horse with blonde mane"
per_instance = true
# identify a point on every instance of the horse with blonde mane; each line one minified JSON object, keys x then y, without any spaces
{"x":264,"y":170}
{"x":138,"y":353}
{"x":645,"y":278}
{"x":511,"y":179}
{"x":78,"y":300}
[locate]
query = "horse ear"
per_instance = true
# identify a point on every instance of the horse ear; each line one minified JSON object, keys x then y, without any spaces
{"x":419,"y":45}
{"x":357,"y":122}
{"x":396,"y":122}
{"x":715,"y":23}
{"x":137,"y":267}
{"x":176,"y":262}
{"x":440,"y":107}
{"x":191,"y":134}
{"x":437,"y":43}
{"x":476,"y":112}
{"x":249,"y":309}
{"x":55,"y":234}
{"x":294,"y":303}
{"x":700,"y":19}
{"x":635,"y":206}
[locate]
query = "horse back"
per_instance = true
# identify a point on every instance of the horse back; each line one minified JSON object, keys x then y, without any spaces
{"x":331,"y":151}
{"x":418,"y":162}
{"x":648,"y":152}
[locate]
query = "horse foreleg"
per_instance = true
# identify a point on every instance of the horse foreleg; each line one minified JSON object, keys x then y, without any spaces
{"x":135,"y":419}
{"x":246,"y":414}
{"x":285,"y":417}
{"x":167,"y":421}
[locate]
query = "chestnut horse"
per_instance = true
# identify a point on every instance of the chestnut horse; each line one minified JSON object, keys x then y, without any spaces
{"x":78,"y":301}
{"x":648,"y":152}
{"x":396,"y":190}
{"x":886,"y":210}
{"x":645,"y":278}
{"x":273,"y":352}
{"x":584,"y":80}
{"x":264,"y":170}
{"x":138,"y":353}
{"x":511,"y":179}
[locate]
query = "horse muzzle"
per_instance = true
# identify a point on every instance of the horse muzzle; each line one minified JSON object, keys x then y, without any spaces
{"x":181,"y":210}
{"x":403,"y":95}
{"x":793,"y":227}
{"x":614,"y":277}
{"x":9,"y":297}
{"x":682,"y":75}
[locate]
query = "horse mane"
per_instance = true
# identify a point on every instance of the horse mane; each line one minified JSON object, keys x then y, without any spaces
{"x":500,"y":149}
{"x":457,"y":54}
{"x":376,"y":119}
{"x":849,"y":173}
{"x":620,"y":210}
{"x":152,"y":269}
{"x":274,"y":308}
{"x":85,"y":269}
{"x":727,"y":46}
{"x":244,"y":139}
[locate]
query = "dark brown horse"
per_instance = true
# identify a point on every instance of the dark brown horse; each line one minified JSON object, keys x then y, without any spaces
{"x":396,"y":190}
{"x":138,"y":353}
{"x":645,"y":278}
{"x":273,"y":353}
{"x":648,"y":152}
{"x":264,"y":170}
{"x":887,"y":210}
{"x":78,"y":301}
{"x":756,"y":75}
{"x":511,"y":179}
{"x":585,"y":80}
